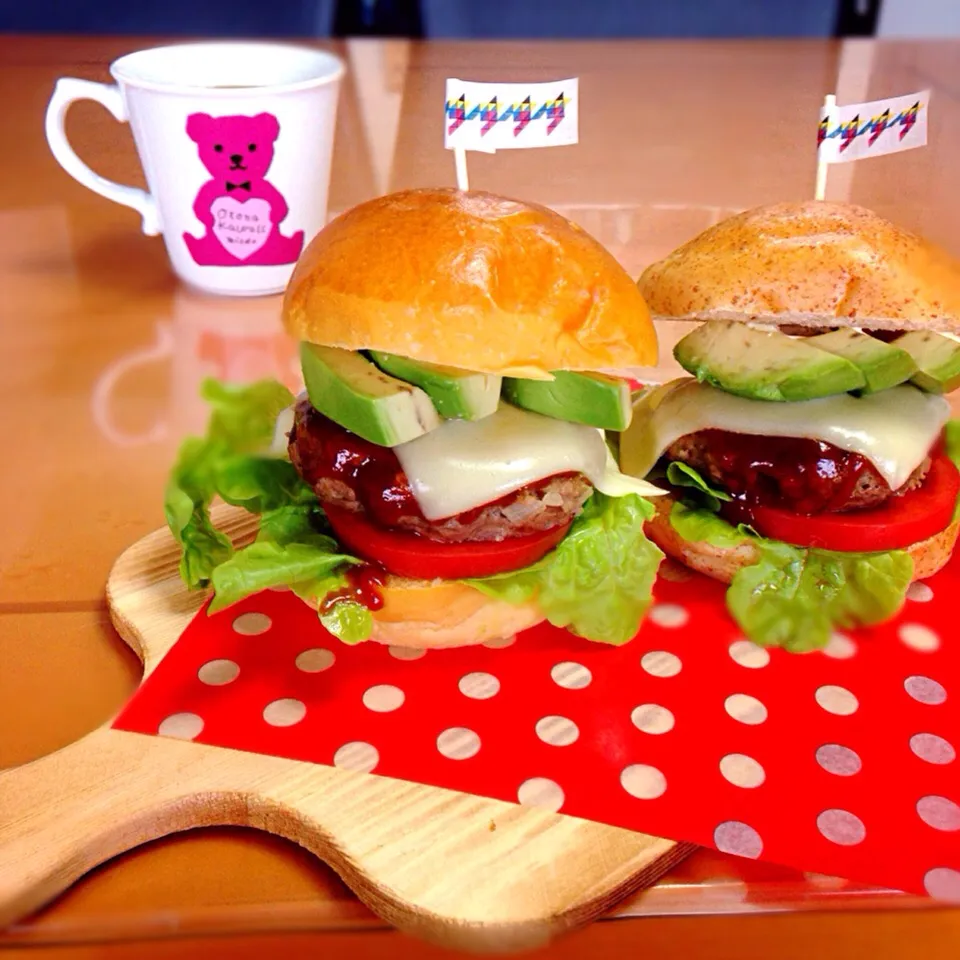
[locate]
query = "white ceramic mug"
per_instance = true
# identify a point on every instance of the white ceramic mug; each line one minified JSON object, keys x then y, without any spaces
{"x":236,"y":142}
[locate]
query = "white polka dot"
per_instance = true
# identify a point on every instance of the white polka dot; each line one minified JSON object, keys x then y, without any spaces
{"x":668,"y":615}
{"x":458,"y":743}
{"x":541,"y":792}
{"x":500,"y":642}
{"x":838,"y":759}
{"x":920,"y":592}
{"x":741,"y":770}
{"x":407,"y":653}
{"x":746,"y":709}
{"x":918,"y":637}
{"x":739,"y":839}
{"x":748,"y":654}
{"x":836,"y":700}
{"x":284,"y":712}
{"x":479,"y":685}
{"x":652,"y":718}
{"x":557,"y":731}
{"x":840,"y":647}
{"x":572,"y":676}
{"x":642,"y":781}
{"x":315,"y":660}
{"x":933,"y":749}
{"x":383,"y":698}
{"x":182,"y":726}
{"x":925,"y":690}
{"x":841,"y":827}
{"x":659,"y":663}
{"x":217,"y":673}
{"x":251,"y":624}
{"x":358,"y":756}
{"x":943,"y":883}
{"x":939,"y":813}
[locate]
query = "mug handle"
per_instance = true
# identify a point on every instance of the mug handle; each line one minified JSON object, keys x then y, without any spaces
{"x":68,"y":90}
{"x":107,"y":381}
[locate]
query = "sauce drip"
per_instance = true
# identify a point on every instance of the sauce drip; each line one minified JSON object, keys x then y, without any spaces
{"x":364,"y":581}
{"x":797,"y":474}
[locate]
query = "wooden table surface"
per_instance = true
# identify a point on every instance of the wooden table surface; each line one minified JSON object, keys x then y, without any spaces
{"x":102,"y":352}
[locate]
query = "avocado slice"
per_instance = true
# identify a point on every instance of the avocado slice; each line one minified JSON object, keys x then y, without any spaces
{"x":457,"y":394}
{"x":764,"y":365}
{"x":937,"y":359}
{"x":883,"y":365}
{"x":589,"y":398}
{"x":349,"y":389}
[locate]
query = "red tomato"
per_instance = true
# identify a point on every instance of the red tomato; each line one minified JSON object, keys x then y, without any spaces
{"x":898,"y":523}
{"x":408,"y":555}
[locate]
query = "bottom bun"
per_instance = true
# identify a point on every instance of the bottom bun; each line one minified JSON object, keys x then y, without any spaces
{"x":431,"y":614}
{"x":722,"y":563}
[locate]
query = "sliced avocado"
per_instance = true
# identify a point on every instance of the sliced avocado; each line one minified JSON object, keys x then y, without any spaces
{"x":937,"y":359}
{"x":884,"y":365}
{"x":349,"y":389}
{"x":589,"y":398}
{"x":457,"y":394}
{"x":764,"y":365}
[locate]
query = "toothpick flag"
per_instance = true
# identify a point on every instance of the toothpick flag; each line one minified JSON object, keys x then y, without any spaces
{"x":508,"y":116}
{"x":860,"y":130}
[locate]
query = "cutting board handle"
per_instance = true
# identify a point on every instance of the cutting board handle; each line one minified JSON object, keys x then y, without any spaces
{"x":67,"y":812}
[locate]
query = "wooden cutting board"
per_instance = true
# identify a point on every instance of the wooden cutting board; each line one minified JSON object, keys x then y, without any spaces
{"x":460,"y":870}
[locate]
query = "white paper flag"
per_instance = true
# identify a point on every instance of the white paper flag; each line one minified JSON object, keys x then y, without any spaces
{"x":510,"y":116}
{"x":861,"y":130}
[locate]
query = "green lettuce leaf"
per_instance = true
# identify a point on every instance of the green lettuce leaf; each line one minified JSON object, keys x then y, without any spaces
{"x":349,"y":621}
{"x":683,"y":475}
{"x":243,"y":417}
{"x":794,"y":597}
{"x":700,"y":525}
{"x":265,"y":563}
{"x":599,"y":578}
{"x":241,"y":424}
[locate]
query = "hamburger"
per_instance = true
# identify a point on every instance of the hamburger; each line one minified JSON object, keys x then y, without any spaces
{"x":445,"y":478}
{"x":809,"y":456}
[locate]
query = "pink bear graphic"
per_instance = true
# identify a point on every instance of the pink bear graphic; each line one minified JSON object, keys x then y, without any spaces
{"x":239,"y":207}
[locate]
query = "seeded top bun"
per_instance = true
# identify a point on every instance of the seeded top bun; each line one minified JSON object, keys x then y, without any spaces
{"x":815,"y":264}
{"x":473,"y":280}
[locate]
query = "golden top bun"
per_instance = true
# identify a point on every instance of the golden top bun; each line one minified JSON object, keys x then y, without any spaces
{"x":813,"y":263}
{"x":433,"y":614}
{"x":722,"y":563}
{"x":469,"y":279}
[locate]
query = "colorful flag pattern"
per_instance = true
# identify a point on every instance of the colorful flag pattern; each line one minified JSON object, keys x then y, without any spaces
{"x":873,"y":129}
{"x":510,"y":116}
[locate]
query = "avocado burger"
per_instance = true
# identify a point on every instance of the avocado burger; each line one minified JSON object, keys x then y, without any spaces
{"x":810,"y":454}
{"x":445,"y":477}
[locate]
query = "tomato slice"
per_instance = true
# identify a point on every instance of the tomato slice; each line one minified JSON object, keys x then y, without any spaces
{"x":408,"y":555}
{"x":898,"y":523}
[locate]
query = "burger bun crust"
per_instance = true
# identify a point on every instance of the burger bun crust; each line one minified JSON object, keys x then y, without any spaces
{"x":812,"y":264}
{"x":434,"y":614}
{"x":469,"y":279}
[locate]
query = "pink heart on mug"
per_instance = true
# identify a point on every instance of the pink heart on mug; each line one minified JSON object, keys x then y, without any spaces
{"x":242,"y":227}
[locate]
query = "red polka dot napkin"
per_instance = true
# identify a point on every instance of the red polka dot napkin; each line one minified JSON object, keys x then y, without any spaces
{"x":841,"y":762}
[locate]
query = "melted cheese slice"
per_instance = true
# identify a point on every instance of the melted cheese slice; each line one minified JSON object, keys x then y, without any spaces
{"x":893,"y":429}
{"x":465,"y":464}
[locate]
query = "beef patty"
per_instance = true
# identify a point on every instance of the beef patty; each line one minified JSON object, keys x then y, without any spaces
{"x":805,"y":476}
{"x":349,"y":472}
